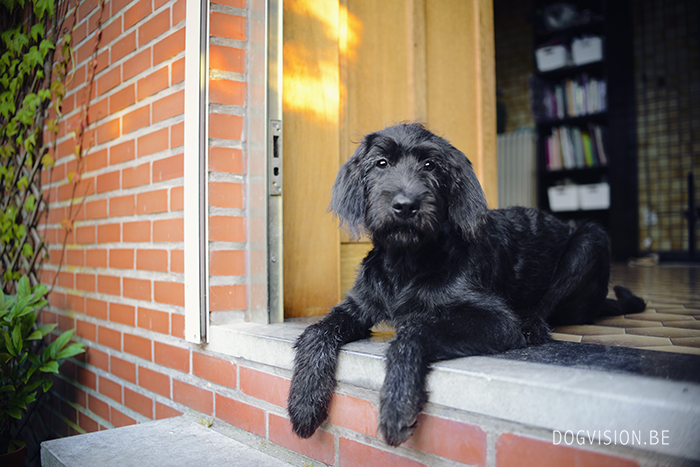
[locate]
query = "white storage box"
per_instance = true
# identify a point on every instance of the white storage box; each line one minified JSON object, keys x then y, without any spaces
{"x":587,"y":49}
{"x":551,"y":58}
{"x":563,"y":198}
{"x":595,"y":196}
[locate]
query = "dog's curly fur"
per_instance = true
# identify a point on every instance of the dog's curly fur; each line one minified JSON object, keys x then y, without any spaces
{"x":453,"y":277}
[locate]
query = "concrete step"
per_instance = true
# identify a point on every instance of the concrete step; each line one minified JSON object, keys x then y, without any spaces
{"x":179,"y":441}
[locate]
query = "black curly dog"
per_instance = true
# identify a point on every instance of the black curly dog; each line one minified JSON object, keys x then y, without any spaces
{"x":453,"y":277}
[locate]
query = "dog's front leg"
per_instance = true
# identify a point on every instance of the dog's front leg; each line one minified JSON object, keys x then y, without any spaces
{"x":403,"y":393}
{"x":313,"y":379}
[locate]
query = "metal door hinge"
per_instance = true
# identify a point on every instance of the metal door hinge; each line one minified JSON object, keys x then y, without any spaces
{"x":275,"y":157}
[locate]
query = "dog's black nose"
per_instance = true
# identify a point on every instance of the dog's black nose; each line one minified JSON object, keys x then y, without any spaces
{"x":404,"y":206}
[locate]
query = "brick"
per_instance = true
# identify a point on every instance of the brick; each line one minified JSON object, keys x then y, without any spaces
{"x":173,"y":357}
{"x":119,"y":419}
{"x":109,"y":284}
{"x":152,"y":202}
{"x":168,"y":230}
{"x":226,"y":160}
{"x":139,"y":289}
{"x":153,"y":83}
{"x":320,"y":446}
{"x":109,"y":32}
{"x":177,"y":325}
{"x":110,"y":389}
{"x":178,"y":68}
{"x":154,"y":381}
{"x":96,"y":209}
{"x":96,"y":258}
{"x":227,"y":229}
{"x":97,"y":357}
{"x":139,"y":118}
{"x":122,"y":152}
{"x":227,"y":26}
{"x":137,"y":346}
{"x":86,"y":423}
{"x":154,"y":27}
{"x":138,"y":402}
{"x":163,"y":411}
{"x":98,"y":407}
{"x":136,"y":13}
{"x":87,"y":378}
{"x":124,"y":46}
{"x":108,"y":233}
{"x":242,"y":415}
{"x":109,"y":337}
{"x":233,"y":3}
{"x":227,"y":92}
{"x":521,"y":451}
{"x":123,"y":369}
{"x":85,"y":282}
{"x":121,"y":258}
{"x":265,"y":386}
{"x":86,"y":330}
{"x":98,"y":110}
{"x":227,"y":263}
{"x":122,"y":206}
{"x":451,"y":439}
{"x":154,"y":320}
{"x":120,"y":313}
{"x":193,"y":397}
{"x":109,"y":80}
{"x":226,"y":195}
{"x":74,"y":257}
{"x":122,"y":99}
{"x":179,"y":11}
{"x":226,"y":126}
{"x":169,"y":46}
{"x":227,"y":297}
{"x":136,"y":64}
{"x":177,"y":198}
{"x":136,"y":176}
{"x":96,"y":160}
{"x":355,"y":414}
{"x":226,"y":58}
{"x":139,"y":231}
{"x":214,"y":369}
{"x":108,"y":131}
{"x":152,"y":260}
{"x":169,"y":106}
{"x":352,"y":453}
{"x":107,"y":182}
{"x":168,"y":168}
{"x":96,"y":308}
{"x":153,"y":142}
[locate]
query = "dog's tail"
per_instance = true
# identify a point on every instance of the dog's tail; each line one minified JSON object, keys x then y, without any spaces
{"x":626,"y":303}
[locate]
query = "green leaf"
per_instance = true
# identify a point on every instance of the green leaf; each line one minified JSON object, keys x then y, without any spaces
{"x":30,"y":203}
{"x":46,"y":385}
{"x":50,"y":367}
{"x":43,"y":6}
{"x":71,"y":350}
{"x":46,"y":328}
{"x":27,"y":250}
{"x":60,"y":342}
{"x":15,"y":412}
{"x":37,"y":31}
{"x":34,"y":336}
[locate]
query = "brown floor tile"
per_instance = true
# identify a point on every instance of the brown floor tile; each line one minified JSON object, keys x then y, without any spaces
{"x":589,"y":330}
{"x":686,"y":341}
{"x":685,"y":323}
{"x":622,"y":322}
{"x":665,"y":332}
{"x":627,"y":340}
{"x":653,"y":316}
{"x":565,"y":337}
{"x":679,"y":310}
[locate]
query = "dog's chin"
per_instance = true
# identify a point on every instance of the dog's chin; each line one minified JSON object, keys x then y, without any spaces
{"x":402,"y":237}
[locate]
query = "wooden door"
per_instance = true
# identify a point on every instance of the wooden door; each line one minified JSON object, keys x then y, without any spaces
{"x":357,"y":66}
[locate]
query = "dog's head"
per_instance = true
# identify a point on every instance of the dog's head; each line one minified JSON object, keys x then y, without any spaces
{"x":405,"y":185}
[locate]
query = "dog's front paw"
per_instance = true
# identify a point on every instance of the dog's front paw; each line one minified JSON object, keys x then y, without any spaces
{"x":305,"y":413}
{"x":395,"y":426}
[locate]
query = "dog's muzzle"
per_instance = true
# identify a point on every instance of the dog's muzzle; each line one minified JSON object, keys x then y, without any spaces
{"x":405,"y":207}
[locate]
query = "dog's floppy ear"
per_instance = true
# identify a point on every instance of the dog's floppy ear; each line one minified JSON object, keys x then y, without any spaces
{"x":348,"y":201}
{"x":467,"y":203}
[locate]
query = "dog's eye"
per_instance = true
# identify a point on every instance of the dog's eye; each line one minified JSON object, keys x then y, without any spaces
{"x":429,"y":165}
{"x":381,"y":163}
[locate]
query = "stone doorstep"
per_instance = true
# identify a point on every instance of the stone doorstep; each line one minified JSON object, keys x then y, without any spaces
{"x":172,"y":442}
{"x":560,"y":386}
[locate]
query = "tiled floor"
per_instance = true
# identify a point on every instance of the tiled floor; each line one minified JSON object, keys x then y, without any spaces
{"x":671,"y":321}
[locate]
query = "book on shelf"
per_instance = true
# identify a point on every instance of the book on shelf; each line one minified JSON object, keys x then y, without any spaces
{"x":573,"y":97}
{"x":571,"y":147}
